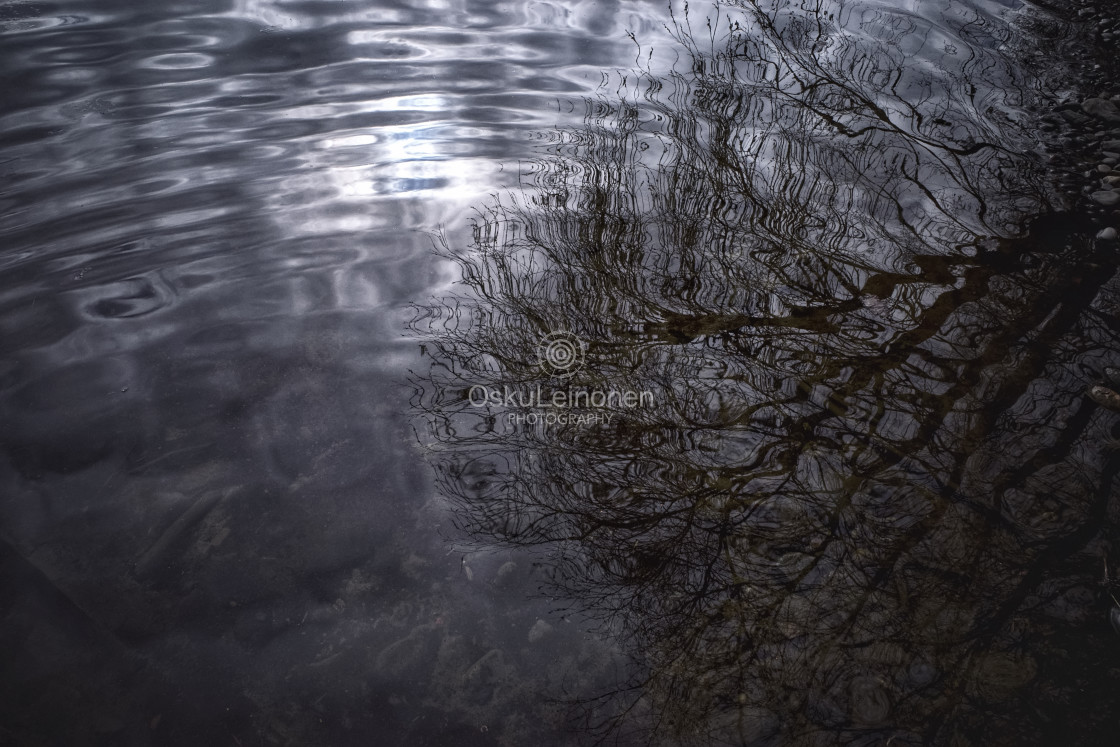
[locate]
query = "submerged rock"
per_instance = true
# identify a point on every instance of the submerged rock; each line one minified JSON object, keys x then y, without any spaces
{"x":539,"y":630}
{"x":1105,"y":397}
{"x":505,"y":573}
{"x":1101,"y":109}
{"x":870,"y":701}
{"x":1106,"y":198}
{"x":1108,"y":234}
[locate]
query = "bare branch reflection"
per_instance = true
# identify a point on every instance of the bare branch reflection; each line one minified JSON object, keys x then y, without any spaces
{"x":867,"y":491}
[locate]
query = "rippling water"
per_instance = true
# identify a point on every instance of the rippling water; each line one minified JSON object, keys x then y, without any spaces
{"x":866,"y":500}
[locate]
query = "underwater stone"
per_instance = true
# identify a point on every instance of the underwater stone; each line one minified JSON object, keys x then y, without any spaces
{"x":539,"y":630}
{"x":1101,"y":109}
{"x":505,"y":573}
{"x":1105,"y":397}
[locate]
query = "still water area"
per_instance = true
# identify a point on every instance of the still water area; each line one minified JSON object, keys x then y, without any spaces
{"x":453,"y":373}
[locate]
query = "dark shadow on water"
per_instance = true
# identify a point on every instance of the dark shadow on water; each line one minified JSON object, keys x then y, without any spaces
{"x":858,"y":495}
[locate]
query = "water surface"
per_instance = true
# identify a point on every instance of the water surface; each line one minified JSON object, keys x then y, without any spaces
{"x":247,"y":498}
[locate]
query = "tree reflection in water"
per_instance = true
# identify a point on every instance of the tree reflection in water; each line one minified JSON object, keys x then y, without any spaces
{"x":870,"y":502}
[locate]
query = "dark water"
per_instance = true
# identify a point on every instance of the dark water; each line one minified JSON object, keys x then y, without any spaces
{"x":271,"y":475}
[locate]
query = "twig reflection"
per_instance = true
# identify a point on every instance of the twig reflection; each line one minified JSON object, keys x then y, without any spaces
{"x":866,"y":473}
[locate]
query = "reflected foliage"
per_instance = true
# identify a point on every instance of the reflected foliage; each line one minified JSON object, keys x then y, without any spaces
{"x":869,"y":502}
